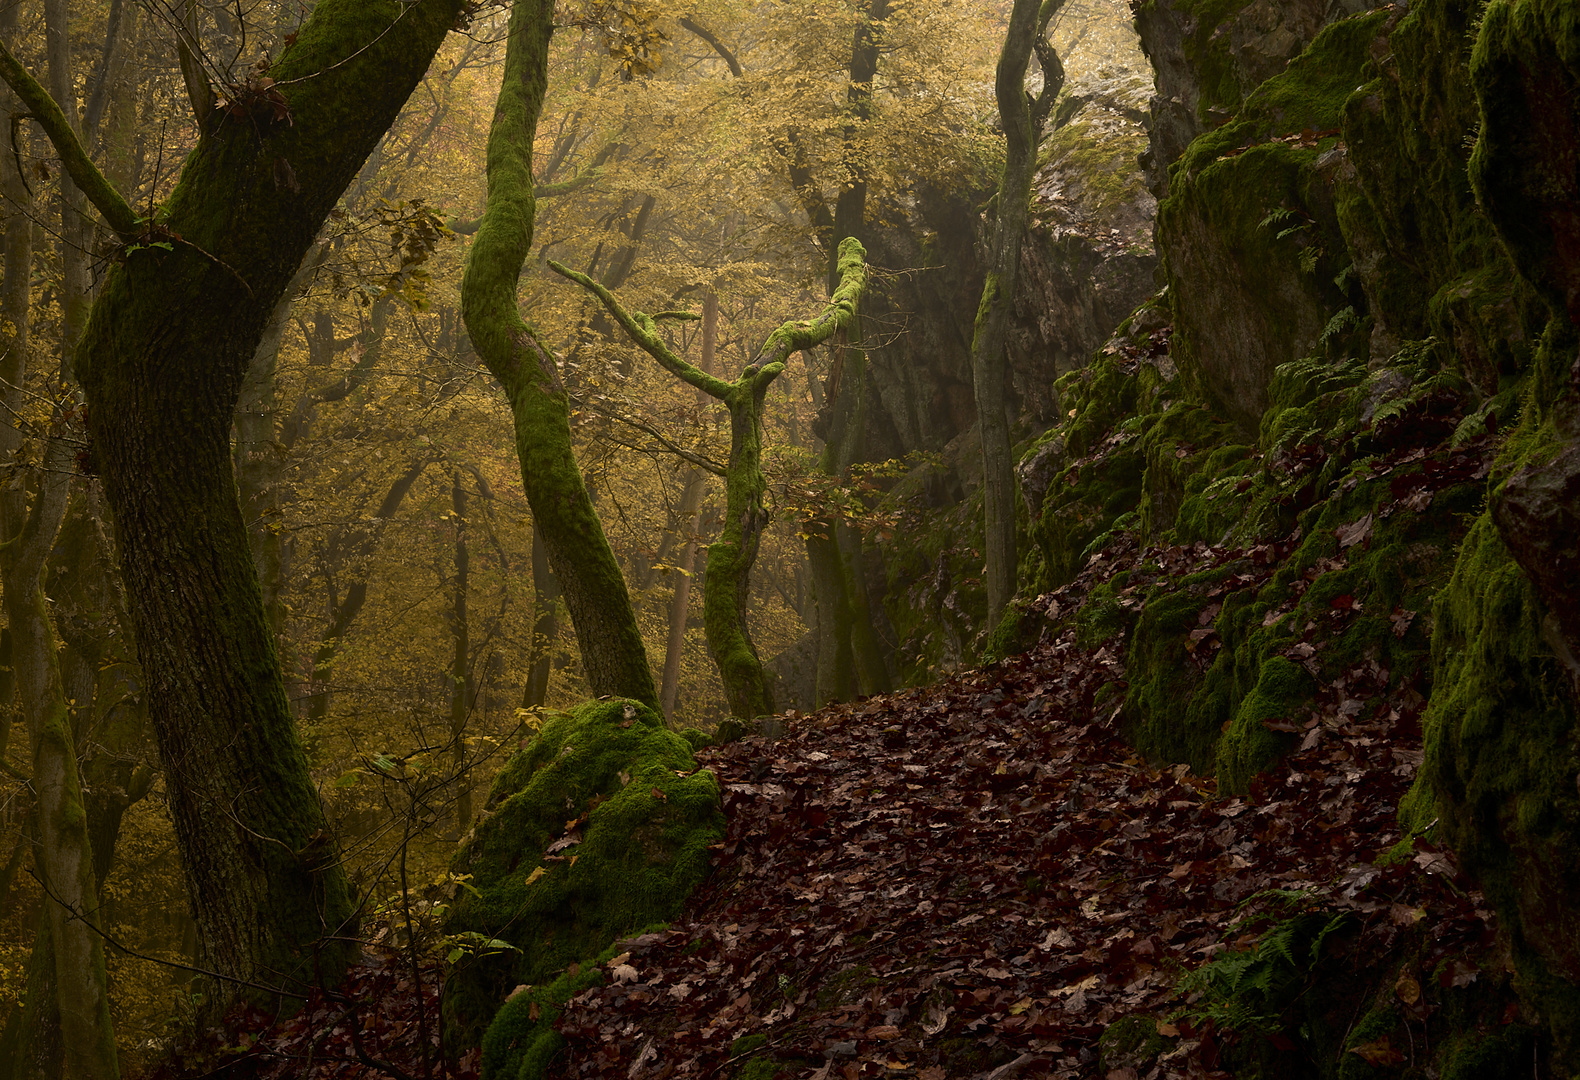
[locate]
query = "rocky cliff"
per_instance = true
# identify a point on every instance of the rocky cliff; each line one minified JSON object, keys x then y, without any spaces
{"x":1358,"y":390}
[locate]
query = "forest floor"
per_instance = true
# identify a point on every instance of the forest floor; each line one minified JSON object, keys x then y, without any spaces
{"x":978,"y":878}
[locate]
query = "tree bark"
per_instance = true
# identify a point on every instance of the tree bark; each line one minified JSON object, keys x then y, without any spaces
{"x":727,"y":580}
{"x":690,"y":518}
{"x":1023,"y":121}
{"x":613,"y":655}
{"x":545,"y":624}
{"x":64,"y":854}
{"x":76,"y":231}
{"x":162,"y":359}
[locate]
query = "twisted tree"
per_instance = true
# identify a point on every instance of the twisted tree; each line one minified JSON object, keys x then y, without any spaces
{"x":162,"y":358}
{"x":727,"y":578}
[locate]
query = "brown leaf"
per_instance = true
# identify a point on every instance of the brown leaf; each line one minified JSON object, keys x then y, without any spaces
{"x":1356,"y":532}
{"x":1378,"y":1053}
{"x":1407,"y":989}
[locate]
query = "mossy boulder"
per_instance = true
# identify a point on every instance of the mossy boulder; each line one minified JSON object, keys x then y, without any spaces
{"x":598,"y":827}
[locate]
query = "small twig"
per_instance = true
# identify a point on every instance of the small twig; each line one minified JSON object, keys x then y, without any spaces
{"x":129,"y":951}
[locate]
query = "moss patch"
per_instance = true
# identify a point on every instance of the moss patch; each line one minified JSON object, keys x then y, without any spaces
{"x":600,"y":826}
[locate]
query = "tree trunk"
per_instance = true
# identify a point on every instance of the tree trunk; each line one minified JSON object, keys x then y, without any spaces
{"x":76,"y":231}
{"x":690,"y":517}
{"x":31,"y":1046}
{"x":850,"y":656}
{"x":611,"y":647}
{"x":1023,"y":123}
{"x":352,"y":546}
{"x":64,"y":854}
{"x":462,"y":690}
{"x":728,"y":576}
{"x":259,"y":454}
{"x":545,"y":625}
{"x":162,"y":359}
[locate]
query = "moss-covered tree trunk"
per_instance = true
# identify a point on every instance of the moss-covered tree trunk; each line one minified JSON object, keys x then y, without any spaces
{"x":1023,"y":121}
{"x":64,"y":856}
{"x":728,"y":575}
{"x":162,"y":359}
{"x":613,"y":656}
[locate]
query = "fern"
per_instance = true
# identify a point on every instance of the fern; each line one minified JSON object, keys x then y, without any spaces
{"x":1250,"y":990}
{"x":1341,"y":323}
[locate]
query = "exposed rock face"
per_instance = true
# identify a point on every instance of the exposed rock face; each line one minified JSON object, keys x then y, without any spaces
{"x":1207,"y":60}
{"x":918,"y":325}
{"x":1253,"y":253}
{"x":1088,"y":260}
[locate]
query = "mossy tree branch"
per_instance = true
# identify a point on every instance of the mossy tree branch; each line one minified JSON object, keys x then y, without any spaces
{"x":83,"y":172}
{"x":730,"y":558}
{"x":584,"y":564}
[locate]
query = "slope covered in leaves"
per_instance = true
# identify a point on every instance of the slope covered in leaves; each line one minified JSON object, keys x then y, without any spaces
{"x":980,"y":879}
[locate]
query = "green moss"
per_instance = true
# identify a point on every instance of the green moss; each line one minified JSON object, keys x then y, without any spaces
{"x":1130,"y":1042}
{"x":1526,"y":73}
{"x":645,"y":815}
{"x":1310,"y":93}
{"x":1194,"y":462}
{"x":746,"y":1044}
{"x":761,"y":1069}
{"x":1165,"y":715}
{"x":1502,"y":1053}
{"x":1100,"y":166}
{"x":1283,"y":690}
{"x":1501,"y":761}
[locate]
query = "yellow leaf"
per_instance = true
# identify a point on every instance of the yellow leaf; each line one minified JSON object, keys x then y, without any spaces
{"x":532,"y":877}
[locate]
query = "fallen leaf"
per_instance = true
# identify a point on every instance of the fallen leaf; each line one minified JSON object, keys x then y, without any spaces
{"x":1407,"y":989}
{"x":535,"y":875}
{"x":1356,"y":532}
{"x":1378,"y":1053}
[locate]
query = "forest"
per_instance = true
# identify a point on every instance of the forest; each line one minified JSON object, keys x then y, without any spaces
{"x":790,"y":539}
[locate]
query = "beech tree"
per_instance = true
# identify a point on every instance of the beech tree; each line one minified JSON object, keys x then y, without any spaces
{"x":613,"y":656}
{"x":167,"y":343}
{"x":730,"y":558}
{"x":1023,"y":118}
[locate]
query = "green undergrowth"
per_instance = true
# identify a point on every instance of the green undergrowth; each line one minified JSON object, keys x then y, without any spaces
{"x":598,"y":827}
{"x":1305,"y":998}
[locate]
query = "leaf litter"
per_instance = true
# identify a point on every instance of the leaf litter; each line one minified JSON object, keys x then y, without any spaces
{"x":977,"y":878}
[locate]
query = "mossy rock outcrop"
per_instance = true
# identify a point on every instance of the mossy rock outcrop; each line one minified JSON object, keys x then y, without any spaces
{"x":1254,"y":256}
{"x":599,"y":827}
